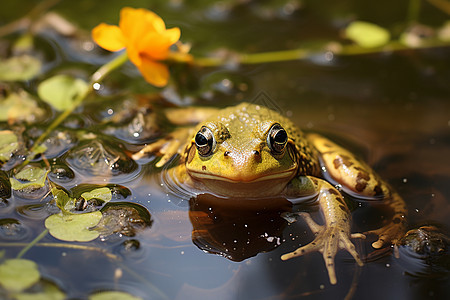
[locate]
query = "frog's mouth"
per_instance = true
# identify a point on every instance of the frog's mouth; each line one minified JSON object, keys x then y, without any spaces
{"x":237,"y":178}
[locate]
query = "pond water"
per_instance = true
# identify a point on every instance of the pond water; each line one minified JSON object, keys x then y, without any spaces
{"x":392,"y":109}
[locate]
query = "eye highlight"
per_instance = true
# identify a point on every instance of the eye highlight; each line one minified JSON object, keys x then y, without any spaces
{"x":277,"y":139}
{"x":204,"y":141}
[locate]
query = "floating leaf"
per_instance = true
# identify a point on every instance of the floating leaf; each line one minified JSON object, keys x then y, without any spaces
{"x":103,"y":194}
{"x":74,"y":227}
{"x":19,"y":68}
{"x":8,"y":144}
{"x":113,"y":295}
{"x":62,"y":199}
{"x":61,"y":91}
{"x":17,"y":107}
{"x":18,"y":274}
{"x":48,"y":291}
{"x":30,"y":176}
{"x":367,"y":35}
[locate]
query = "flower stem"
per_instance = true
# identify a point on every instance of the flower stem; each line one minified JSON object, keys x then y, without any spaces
{"x":32,"y":243}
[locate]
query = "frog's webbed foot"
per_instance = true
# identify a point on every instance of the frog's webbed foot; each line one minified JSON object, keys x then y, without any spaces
{"x":387,"y":235}
{"x":396,"y":228}
{"x":166,"y":147}
{"x":329,"y":240}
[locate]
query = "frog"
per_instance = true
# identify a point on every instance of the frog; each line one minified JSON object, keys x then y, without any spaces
{"x":250,"y":151}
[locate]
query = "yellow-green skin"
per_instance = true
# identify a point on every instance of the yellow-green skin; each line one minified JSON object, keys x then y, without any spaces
{"x":243,"y":165}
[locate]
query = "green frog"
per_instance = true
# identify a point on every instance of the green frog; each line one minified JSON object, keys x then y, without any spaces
{"x":250,"y":151}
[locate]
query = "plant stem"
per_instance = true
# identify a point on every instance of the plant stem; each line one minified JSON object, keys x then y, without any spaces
{"x":32,"y":243}
{"x":299,"y":54}
{"x":98,"y":76}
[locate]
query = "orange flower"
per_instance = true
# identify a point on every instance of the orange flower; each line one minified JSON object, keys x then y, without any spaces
{"x":144,"y":35}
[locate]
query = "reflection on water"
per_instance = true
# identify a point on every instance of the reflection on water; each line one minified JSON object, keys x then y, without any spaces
{"x":237,"y":228}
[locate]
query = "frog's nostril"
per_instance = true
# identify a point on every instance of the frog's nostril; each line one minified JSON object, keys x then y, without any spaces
{"x":256,"y":152}
{"x":226,"y":153}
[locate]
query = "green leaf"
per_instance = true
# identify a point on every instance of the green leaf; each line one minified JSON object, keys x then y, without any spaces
{"x":103,"y":194}
{"x":8,"y":144}
{"x":19,"y":68}
{"x":74,"y":227}
{"x":113,"y":295}
{"x":18,"y":107}
{"x":30,"y":176}
{"x":18,"y":274}
{"x":62,"y":199}
{"x":367,"y":35}
{"x":50,"y":292}
{"x":61,"y":91}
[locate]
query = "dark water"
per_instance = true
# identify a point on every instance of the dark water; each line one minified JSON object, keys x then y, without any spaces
{"x":393,"y":109}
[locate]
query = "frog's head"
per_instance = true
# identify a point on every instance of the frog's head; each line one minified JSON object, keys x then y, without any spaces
{"x":233,"y":160}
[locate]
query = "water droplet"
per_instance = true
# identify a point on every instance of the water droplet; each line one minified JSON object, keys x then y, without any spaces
{"x":405,"y":180}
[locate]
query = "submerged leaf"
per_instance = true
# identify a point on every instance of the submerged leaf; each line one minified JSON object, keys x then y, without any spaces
{"x":61,"y":91}
{"x":30,"y":176}
{"x":18,"y":274}
{"x":19,"y":68}
{"x":74,"y":227}
{"x":18,"y":107}
{"x":113,"y":295}
{"x":8,"y":144}
{"x":367,"y":35}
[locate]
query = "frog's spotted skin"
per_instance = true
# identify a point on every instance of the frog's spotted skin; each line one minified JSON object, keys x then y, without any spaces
{"x":251,"y":151}
{"x":362,"y":182}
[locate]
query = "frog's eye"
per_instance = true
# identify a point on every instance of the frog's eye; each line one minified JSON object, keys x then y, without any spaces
{"x":277,"y":139}
{"x":204,"y":141}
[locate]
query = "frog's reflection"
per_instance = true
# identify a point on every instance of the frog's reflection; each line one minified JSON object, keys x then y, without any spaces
{"x":235,"y":228}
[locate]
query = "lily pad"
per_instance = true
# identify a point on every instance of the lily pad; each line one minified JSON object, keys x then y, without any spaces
{"x":61,"y":91}
{"x":19,"y":68}
{"x":8,"y":144}
{"x":18,"y":274}
{"x":367,"y":35}
{"x":30,"y":176}
{"x":113,"y":295}
{"x":74,"y":227}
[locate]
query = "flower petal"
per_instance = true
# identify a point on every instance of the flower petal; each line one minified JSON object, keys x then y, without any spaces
{"x":108,"y":37}
{"x":154,"y":73}
{"x":136,"y":23}
{"x":156,"y":45}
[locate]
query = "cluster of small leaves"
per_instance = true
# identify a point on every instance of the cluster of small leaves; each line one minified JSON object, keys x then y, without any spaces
{"x":70,"y":226}
{"x":18,"y":276}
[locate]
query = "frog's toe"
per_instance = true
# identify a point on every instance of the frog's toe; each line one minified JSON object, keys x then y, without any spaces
{"x":166,"y":148}
{"x":328,"y":242}
{"x":387,"y":235}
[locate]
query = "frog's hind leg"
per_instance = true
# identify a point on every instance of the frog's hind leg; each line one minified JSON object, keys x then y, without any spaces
{"x":362,"y":182}
{"x":334,"y":234}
